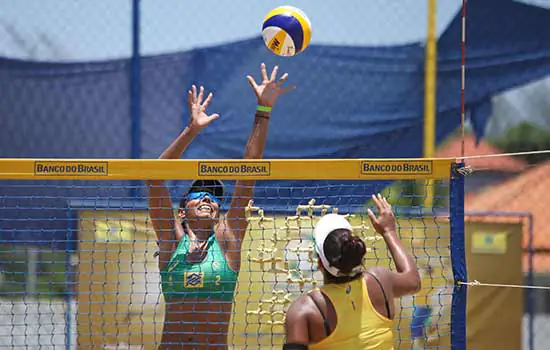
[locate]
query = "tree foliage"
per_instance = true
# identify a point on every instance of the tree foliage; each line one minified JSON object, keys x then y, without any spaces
{"x":523,"y":138}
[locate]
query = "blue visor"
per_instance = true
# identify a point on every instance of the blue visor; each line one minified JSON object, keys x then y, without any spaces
{"x":201,"y":195}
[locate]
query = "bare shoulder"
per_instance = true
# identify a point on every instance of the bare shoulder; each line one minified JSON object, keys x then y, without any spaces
{"x":297,"y":321}
{"x":300,"y":307}
{"x":301,"y":302}
{"x":377,"y":271}
{"x":380,"y":273}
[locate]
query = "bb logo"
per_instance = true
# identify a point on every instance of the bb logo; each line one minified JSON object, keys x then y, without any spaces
{"x":193,"y":280}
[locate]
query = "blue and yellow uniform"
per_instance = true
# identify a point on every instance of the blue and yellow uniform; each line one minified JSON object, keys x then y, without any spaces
{"x":211,"y":278}
{"x":358,"y":326}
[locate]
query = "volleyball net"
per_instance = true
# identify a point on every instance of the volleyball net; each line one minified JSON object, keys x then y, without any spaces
{"x":79,"y":270}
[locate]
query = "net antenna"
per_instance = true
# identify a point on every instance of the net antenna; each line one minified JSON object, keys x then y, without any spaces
{"x":463,"y":82}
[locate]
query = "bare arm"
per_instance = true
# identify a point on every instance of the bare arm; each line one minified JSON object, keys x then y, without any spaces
{"x":267,"y":93}
{"x":160,"y":203}
{"x":180,"y":144}
{"x":244,"y":189}
{"x":161,"y":208}
{"x":407,"y":279}
{"x":162,"y":217}
{"x":296,"y":322}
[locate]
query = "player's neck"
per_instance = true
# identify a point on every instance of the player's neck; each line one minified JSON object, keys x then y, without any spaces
{"x":199,"y":230}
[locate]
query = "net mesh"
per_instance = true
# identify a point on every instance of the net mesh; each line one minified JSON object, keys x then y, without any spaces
{"x":81,"y":271}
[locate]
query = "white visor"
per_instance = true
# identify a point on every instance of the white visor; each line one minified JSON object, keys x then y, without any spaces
{"x":324,"y":227}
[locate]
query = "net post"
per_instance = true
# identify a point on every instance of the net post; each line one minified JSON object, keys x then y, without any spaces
{"x":531,"y":282}
{"x":458,"y":258}
{"x":430,"y":91}
{"x":68,"y":276}
{"x":135,"y":90}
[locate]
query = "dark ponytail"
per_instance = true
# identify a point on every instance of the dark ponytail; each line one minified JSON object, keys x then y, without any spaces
{"x":344,"y":250}
{"x":353,"y":251}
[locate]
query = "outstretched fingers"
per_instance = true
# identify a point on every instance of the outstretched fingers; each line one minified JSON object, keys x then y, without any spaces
{"x":194,"y":92}
{"x":372,"y":216}
{"x":287,"y":89}
{"x":263,"y":70}
{"x":383,"y":202}
{"x":386,"y":203}
{"x":189,"y":98}
{"x":274,"y":73}
{"x":201,"y":95}
{"x":197,"y":98}
{"x":214,"y":116}
{"x":207,"y":101}
{"x":283,"y":79}
{"x":377,"y":202}
{"x":252,"y":82}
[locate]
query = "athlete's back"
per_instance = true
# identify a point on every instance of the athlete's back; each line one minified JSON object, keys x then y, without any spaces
{"x":358,"y":325}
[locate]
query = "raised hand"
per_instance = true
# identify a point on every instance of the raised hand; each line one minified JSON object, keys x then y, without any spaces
{"x":197,"y":108}
{"x":385,"y":222}
{"x":269,"y":89}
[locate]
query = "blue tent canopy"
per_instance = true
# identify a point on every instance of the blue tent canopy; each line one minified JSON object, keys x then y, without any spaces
{"x":351,"y":102}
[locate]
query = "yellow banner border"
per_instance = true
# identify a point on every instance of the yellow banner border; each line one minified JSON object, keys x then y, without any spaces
{"x":227,"y":169}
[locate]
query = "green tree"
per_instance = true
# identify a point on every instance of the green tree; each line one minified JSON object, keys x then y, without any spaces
{"x":523,"y":138}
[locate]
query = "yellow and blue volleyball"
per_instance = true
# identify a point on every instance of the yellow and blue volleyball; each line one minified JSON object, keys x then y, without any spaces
{"x":286,"y":31}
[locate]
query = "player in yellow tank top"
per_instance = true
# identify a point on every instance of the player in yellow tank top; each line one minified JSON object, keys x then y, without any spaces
{"x":354,"y":308}
{"x":364,"y":327}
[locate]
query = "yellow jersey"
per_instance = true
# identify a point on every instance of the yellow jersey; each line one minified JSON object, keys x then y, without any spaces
{"x":358,"y":325}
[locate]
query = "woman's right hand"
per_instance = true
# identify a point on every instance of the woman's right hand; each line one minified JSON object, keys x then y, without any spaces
{"x":385,"y":222}
{"x":197,"y":108}
{"x":269,"y":89}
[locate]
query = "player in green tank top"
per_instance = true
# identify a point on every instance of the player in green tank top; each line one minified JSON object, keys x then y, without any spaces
{"x":200,"y":249}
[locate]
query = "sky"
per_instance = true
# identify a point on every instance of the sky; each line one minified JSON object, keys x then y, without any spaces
{"x":76,"y":30}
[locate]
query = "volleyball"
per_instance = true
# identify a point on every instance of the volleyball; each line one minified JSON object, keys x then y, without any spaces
{"x":286,"y":31}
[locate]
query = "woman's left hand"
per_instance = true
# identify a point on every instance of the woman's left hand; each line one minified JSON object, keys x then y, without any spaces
{"x":269,"y":89}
